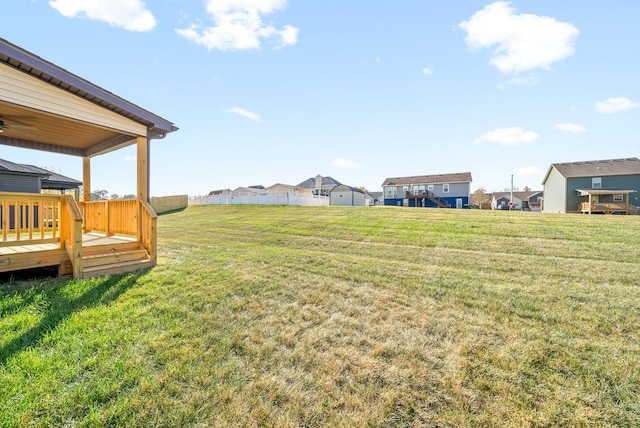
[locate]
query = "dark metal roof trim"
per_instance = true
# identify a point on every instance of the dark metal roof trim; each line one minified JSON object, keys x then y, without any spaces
{"x":39,"y":68}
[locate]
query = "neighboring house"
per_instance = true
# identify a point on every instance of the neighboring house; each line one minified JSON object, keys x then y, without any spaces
{"x":240,"y":191}
{"x":376,"y":197}
{"x":592,"y":186}
{"x":32,"y":179}
{"x":429,"y":191}
{"x":220,"y":192}
{"x":348,"y":196}
{"x":526,"y":201}
{"x":286,"y":188}
{"x":320,"y":185}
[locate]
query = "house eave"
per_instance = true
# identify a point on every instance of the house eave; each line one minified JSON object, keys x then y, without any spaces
{"x":41,"y":69}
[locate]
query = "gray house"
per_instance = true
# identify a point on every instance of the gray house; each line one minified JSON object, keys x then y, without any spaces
{"x":429,"y":191}
{"x":320,"y":185}
{"x":32,"y":179}
{"x":605,"y":186}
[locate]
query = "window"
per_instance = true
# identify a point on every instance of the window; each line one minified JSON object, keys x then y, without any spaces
{"x":618,"y":198}
{"x":445,"y":188}
{"x":596,"y":183}
{"x":405,"y":188}
{"x":430,"y":187}
{"x":391,"y":192}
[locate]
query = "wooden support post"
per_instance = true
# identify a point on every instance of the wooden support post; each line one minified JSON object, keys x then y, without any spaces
{"x":143,"y":180}
{"x":143,"y":168}
{"x":86,"y":179}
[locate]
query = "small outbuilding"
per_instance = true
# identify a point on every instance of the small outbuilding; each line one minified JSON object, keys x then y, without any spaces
{"x":343,"y":195}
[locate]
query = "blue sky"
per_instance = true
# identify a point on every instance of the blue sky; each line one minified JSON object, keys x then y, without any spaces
{"x":277,"y":91}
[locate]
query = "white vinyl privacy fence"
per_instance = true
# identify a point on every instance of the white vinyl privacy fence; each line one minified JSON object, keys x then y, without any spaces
{"x":280,"y":198}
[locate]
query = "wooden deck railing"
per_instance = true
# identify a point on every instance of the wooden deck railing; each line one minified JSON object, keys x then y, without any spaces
{"x":71,"y":233}
{"x":114,"y":217}
{"x":28,"y":218}
{"x":130,"y":217}
{"x":148,"y":224}
{"x":602,"y":207}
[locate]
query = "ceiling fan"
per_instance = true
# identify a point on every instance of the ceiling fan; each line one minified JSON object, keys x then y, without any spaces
{"x":16,"y":128}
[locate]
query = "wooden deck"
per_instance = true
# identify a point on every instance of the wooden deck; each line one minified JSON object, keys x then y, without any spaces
{"x":606,"y":208}
{"x":424,"y":196}
{"x":93,"y":238}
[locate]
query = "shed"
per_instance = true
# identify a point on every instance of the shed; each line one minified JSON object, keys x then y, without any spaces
{"x":343,"y":195}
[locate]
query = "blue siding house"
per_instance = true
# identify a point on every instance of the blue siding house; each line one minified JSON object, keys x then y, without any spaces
{"x":604,"y":186}
{"x":429,"y":191}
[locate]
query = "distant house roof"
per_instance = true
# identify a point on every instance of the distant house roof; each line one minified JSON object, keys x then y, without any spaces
{"x":604,"y":168}
{"x":458,"y":177}
{"x":49,"y":179}
{"x":375,"y":195}
{"x":343,"y":187}
{"x":520,"y":195}
{"x":219,"y":192}
{"x":310,"y":183}
{"x":55,"y":181}
{"x":14,"y":168}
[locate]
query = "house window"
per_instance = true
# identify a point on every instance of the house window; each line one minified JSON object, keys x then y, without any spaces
{"x":618,"y":198}
{"x":391,"y":192}
{"x":596,"y":183}
{"x":430,"y":187}
{"x":405,"y":188}
{"x":445,"y":188}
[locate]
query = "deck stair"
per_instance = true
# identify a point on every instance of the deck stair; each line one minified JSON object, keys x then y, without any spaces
{"x":114,"y":259}
{"x":433,"y":198}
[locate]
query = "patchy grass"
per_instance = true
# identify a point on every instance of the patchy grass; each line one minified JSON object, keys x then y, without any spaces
{"x":289,"y":316}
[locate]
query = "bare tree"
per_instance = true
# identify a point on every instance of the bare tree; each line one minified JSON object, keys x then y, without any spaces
{"x":479,"y":197}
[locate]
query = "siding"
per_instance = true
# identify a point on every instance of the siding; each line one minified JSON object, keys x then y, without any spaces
{"x":343,"y":196}
{"x":16,"y":183}
{"x":625,"y":182}
{"x":555,"y":193}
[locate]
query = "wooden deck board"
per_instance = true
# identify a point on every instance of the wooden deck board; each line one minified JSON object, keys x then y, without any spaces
{"x":19,"y":257}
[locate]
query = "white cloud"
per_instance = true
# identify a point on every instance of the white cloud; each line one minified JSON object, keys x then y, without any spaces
{"x":507,"y":137}
{"x":571,"y":127}
{"x":239,"y":26}
{"x":529,"y":170}
{"x":530,"y":80}
{"x":524,"y":41}
{"x":131,"y":15}
{"x":427,"y":70}
{"x":345,"y":163}
{"x":614,"y":105}
{"x":245,"y":113}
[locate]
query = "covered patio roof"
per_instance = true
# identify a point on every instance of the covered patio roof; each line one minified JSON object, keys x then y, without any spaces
{"x":67,"y":125}
{"x":593,"y":192}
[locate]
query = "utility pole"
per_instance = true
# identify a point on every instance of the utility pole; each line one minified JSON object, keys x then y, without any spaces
{"x":511,"y":195}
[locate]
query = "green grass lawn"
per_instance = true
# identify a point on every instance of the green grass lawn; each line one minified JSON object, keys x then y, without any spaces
{"x":297,"y":316}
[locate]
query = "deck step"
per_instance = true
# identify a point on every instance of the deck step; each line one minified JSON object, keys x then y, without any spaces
{"x":114,"y":257}
{"x":116,"y":268}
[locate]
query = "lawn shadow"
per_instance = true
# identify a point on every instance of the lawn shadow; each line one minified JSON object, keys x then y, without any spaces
{"x":58,"y":307}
